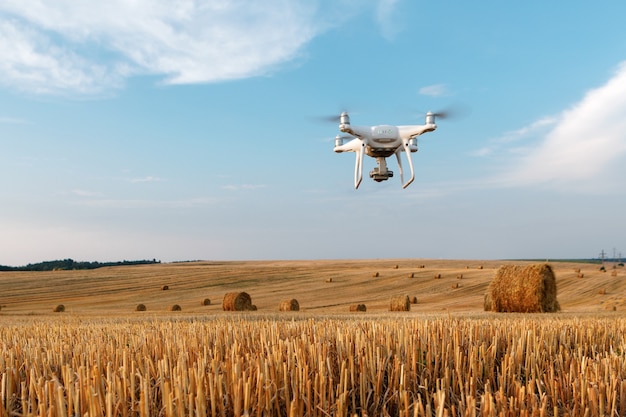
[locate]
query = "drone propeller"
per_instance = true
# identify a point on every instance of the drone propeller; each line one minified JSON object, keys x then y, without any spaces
{"x":451,"y":112}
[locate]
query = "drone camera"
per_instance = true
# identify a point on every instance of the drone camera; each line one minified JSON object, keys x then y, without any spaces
{"x":379,"y":176}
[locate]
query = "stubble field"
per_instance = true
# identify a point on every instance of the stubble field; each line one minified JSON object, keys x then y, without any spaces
{"x":444,"y":357}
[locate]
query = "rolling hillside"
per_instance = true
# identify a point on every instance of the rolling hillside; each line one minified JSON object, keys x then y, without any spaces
{"x":328,"y":286}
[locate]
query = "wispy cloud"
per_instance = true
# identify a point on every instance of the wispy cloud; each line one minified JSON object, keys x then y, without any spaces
{"x":87,"y":48}
{"x":132,"y":204}
{"x":586,"y":148}
{"x":145,"y":179}
{"x":509,"y":142}
{"x":387,"y":19}
{"x":85,"y":193}
{"x":12,"y":120}
{"x":435,"y":90}
{"x":239,"y":187}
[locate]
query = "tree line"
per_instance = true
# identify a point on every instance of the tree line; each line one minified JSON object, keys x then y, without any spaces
{"x":70,"y":264}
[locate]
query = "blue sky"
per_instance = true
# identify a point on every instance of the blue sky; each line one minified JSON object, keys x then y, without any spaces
{"x":182,"y":130}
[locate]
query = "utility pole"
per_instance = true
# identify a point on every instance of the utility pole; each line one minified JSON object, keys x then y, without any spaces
{"x":602,"y":255}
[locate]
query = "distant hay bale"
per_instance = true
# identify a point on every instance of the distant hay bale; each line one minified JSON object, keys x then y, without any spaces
{"x":413,"y":300}
{"x":602,"y":291}
{"x":237,"y":301}
{"x":480,"y":267}
{"x":175,"y":307}
{"x":460,"y":276}
{"x":329,"y":280}
{"x":422,"y":266}
{"x":140,"y":307}
{"x":358,"y":307}
{"x":581,"y":275}
{"x":253,"y":307}
{"x":59,"y":309}
{"x":614,"y":273}
{"x":523,"y":289}
{"x":401,"y":303}
{"x":412,"y":275}
{"x":375,"y":275}
{"x":289,"y":305}
{"x":437,"y":276}
{"x":165,"y":287}
{"x":206,"y":302}
{"x":456,"y":285}
{"x":396,"y":266}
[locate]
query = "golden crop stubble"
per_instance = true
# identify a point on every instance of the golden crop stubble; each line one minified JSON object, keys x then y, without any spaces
{"x":327,"y":365}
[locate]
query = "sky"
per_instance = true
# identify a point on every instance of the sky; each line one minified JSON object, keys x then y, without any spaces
{"x":193,"y":130}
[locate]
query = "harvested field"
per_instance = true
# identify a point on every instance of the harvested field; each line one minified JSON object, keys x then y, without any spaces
{"x":117,"y":290}
{"x":244,"y":365}
{"x":446,"y":356}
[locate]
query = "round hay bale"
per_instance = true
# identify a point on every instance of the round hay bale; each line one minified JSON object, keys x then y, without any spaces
{"x":289,"y":305}
{"x":401,"y":303}
{"x":412,"y":275}
{"x":523,"y":289}
{"x":437,"y":276}
{"x":414,"y":300}
{"x":206,"y":302}
{"x":175,"y":307}
{"x":375,"y":275}
{"x":329,"y":280}
{"x":396,"y":266}
{"x":59,"y":309}
{"x":165,"y":288}
{"x":237,"y":301}
{"x":358,"y":307}
{"x":140,"y":307}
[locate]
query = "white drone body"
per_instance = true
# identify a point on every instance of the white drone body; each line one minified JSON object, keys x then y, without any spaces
{"x":381,"y":142}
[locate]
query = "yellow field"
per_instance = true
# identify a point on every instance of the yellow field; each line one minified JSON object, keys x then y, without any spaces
{"x":446,"y":357}
{"x":118,"y":290}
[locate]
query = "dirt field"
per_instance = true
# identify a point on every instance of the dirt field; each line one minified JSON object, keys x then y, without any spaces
{"x":327,"y":286}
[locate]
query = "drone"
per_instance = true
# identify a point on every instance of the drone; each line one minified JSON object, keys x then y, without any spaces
{"x":380,"y":142}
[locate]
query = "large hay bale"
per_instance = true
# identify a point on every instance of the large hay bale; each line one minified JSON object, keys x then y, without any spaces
{"x":140,"y":307}
{"x":206,"y":302}
{"x":523,"y":289}
{"x":289,"y":305}
{"x":59,"y":309}
{"x":401,"y":303}
{"x":358,"y":307}
{"x":175,"y":307}
{"x":237,"y":301}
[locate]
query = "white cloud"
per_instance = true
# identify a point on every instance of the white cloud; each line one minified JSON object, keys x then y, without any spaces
{"x":233,"y":187}
{"x":586,"y":148}
{"x":503,"y":143}
{"x":89,"y":47}
{"x":435,"y":90}
{"x":386,"y":19}
{"x":145,"y":179}
{"x":12,"y":120}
